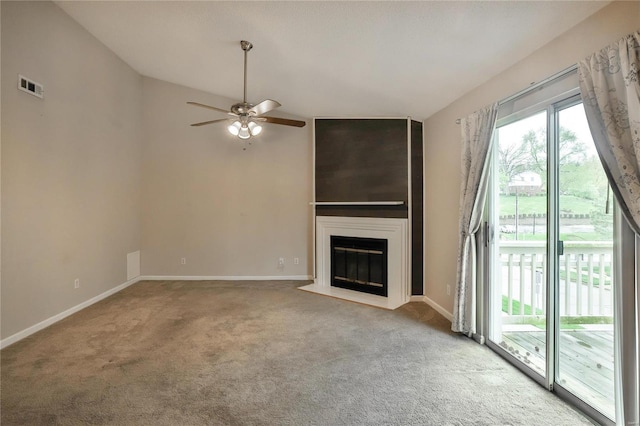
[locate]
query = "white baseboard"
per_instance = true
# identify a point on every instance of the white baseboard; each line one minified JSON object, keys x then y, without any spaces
{"x":442,"y":311}
{"x":225,"y":278}
{"x":52,"y":320}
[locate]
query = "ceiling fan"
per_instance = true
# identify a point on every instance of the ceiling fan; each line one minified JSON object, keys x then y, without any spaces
{"x":246,"y":116}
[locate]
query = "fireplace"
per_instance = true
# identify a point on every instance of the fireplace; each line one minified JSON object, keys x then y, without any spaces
{"x":392,"y":232}
{"x":359,"y":264}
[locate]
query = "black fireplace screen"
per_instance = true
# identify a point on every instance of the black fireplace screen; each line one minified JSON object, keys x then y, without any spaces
{"x":359,"y":264}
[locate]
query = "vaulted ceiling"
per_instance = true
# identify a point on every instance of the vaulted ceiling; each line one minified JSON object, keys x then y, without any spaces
{"x":330,"y":58}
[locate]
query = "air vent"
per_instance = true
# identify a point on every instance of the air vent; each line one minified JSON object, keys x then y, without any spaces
{"x":30,"y":86}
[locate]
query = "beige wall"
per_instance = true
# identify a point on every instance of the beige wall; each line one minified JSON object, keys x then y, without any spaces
{"x":228,"y":211}
{"x":442,"y":135}
{"x":106,"y":164}
{"x":73,"y":175}
{"x":70,"y":165}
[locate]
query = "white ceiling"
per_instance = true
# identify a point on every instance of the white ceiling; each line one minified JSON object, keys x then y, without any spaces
{"x":330,"y":58}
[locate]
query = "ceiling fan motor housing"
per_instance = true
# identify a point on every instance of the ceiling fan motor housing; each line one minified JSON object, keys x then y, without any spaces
{"x":241,"y":108}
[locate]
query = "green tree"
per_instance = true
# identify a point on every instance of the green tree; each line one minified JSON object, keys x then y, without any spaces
{"x":584,"y":180}
{"x":602,"y":222}
{"x":531,"y":154}
{"x":571,"y":150}
{"x":512,"y":160}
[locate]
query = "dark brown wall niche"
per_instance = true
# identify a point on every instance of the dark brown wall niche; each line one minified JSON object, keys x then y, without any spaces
{"x":362,"y":160}
{"x":417,"y":209}
{"x":368,"y":160}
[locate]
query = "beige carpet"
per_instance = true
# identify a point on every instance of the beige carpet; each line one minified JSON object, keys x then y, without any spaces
{"x":261,"y":353}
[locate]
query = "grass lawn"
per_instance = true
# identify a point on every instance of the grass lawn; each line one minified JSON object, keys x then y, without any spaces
{"x":583,"y":236}
{"x":537,"y":204}
{"x":573,"y":275}
{"x":566,"y":323}
{"x":515,"y":307}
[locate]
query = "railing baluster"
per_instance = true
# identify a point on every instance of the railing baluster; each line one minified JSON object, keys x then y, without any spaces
{"x":590,"y":284}
{"x":533,"y":283}
{"x":567,"y":284}
{"x":543,"y":285}
{"x":522,"y":258}
{"x":579,"y":284}
{"x":601,"y":286}
{"x":510,"y":287}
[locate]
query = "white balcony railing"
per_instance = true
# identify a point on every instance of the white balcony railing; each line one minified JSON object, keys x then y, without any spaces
{"x":585,"y":270}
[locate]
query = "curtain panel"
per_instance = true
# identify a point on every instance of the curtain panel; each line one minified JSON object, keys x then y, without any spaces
{"x":610,"y":91}
{"x":477,"y":130}
{"x":611,"y":95}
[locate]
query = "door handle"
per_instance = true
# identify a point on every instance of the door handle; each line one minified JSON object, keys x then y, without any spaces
{"x":560,"y":247}
{"x":487,"y":234}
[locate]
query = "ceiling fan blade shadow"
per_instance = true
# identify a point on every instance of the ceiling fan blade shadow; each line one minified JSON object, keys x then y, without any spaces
{"x":209,"y":107}
{"x":285,"y":121}
{"x":264,"y":106}
{"x":204,"y":123}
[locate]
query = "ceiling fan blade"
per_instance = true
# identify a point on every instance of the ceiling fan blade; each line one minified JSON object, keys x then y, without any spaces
{"x":204,"y":123}
{"x":208,"y":106}
{"x":285,"y":121}
{"x":264,"y":106}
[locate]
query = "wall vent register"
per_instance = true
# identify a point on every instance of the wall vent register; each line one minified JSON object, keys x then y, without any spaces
{"x":30,"y":86}
{"x":359,"y":264}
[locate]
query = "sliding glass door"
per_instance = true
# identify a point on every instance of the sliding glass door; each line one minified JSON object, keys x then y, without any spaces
{"x":518,"y":316}
{"x":585,"y":352}
{"x":551,"y":256}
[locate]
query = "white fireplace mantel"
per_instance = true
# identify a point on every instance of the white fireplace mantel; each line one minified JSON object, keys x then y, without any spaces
{"x":391,"y":229}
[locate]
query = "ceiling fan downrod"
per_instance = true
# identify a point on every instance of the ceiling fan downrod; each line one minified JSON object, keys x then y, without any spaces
{"x":246,"y":46}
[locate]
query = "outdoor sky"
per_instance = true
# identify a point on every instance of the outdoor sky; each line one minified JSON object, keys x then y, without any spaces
{"x":572,"y":118}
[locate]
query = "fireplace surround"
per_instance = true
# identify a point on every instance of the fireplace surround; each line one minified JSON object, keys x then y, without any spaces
{"x":393,"y":230}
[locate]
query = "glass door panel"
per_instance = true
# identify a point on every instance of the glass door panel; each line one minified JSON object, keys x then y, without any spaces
{"x":585,"y":294}
{"x":551,"y":262}
{"x":518,"y":291}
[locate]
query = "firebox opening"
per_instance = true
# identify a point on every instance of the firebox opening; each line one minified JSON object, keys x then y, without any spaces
{"x":359,"y":264}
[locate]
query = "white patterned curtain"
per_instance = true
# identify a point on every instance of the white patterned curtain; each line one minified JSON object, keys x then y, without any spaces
{"x":611,"y":95}
{"x":476,"y":129}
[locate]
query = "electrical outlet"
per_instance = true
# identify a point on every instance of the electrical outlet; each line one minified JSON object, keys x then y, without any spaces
{"x":296,"y":260}
{"x":76,"y":283}
{"x":448,"y":290}
{"x":281,"y":262}
{"x":183,"y":261}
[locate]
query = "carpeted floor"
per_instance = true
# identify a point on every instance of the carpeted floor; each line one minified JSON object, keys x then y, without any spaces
{"x":262,"y":353}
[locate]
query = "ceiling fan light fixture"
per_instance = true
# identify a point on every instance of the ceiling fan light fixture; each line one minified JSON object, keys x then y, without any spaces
{"x":255,"y":128}
{"x":234,"y":128}
{"x":244,"y":133}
